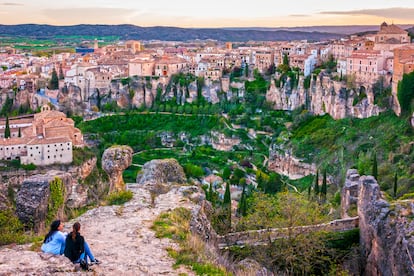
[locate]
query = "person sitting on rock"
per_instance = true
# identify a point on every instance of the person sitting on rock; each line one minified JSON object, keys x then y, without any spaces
{"x":54,"y":241}
{"x":77,"y":249}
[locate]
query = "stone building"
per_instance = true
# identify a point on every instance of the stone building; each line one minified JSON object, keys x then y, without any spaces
{"x":46,"y":140}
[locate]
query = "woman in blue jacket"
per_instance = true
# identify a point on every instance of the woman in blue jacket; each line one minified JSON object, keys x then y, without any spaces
{"x":54,"y":241}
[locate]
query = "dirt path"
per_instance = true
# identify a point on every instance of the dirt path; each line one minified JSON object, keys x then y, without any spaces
{"x":121,"y":238}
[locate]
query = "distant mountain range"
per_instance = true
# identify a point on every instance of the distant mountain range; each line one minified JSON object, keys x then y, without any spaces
{"x":343,"y":30}
{"x":126,"y":32}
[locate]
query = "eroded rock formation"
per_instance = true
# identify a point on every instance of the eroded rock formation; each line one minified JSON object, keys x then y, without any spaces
{"x":323,"y":96}
{"x":288,"y":165}
{"x":162,"y":171}
{"x":386,"y":240}
{"x":32,"y":199}
{"x":114,"y":161}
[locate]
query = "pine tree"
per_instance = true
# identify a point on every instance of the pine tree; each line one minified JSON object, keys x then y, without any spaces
{"x":324,"y":186}
{"x":375,"y":166}
{"x":395,"y":184}
{"x":7,"y":128}
{"x":316,"y":187}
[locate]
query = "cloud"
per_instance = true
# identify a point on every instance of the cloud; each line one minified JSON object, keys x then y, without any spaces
{"x":11,"y":4}
{"x":89,"y":15}
{"x":397,"y":12}
{"x":299,"y":15}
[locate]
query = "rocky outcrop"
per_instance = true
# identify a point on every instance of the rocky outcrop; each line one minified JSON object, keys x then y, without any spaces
{"x":349,"y":193}
{"x":288,"y":165}
{"x":32,"y":201}
{"x":386,"y":231}
{"x":161,"y":171}
{"x":114,"y":161}
{"x":323,"y":96}
{"x":386,"y":240}
{"x":17,"y":261}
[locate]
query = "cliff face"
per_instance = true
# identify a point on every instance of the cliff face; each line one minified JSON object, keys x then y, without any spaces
{"x":290,"y":166}
{"x":32,"y":201}
{"x":323,"y":96}
{"x":386,"y":231}
{"x":386,"y":240}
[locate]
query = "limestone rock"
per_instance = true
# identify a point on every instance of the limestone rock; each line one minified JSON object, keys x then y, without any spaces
{"x":114,"y":161}
{"x":161,"y":171}
{"x":33,"y":198}
{"x":387,"y":244}
{"x":349,"y":193}
{"x":15,"y":261}
{"x":323,"y":96}
{"x":290,"y":166}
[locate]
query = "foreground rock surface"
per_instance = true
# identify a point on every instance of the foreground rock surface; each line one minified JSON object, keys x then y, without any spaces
{"x":120,"y":237}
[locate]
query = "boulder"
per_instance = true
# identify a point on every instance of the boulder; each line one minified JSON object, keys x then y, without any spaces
{"x":114,"y":161}
{"x":32,"y":199}
{"x":162,"y":171}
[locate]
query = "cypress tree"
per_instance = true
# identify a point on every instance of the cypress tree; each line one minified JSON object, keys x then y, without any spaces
{"x":54,"y":82}
{"x":316,"y":187}
{"x":395,"y":185}
{"x":309,"y":191}
{"x":375,"y":166}
{"x":227,"y":196}
{"x":324,"y":187}
{"x":7,"y":128}
{"x":20,"y":133}
{"x":243,"y":202}
{"x":210,"y":193}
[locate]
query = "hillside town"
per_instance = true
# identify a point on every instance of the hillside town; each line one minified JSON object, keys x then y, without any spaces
{"x":92,"y":74}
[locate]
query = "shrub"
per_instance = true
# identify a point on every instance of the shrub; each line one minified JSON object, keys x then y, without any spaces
{"x":119,"y":198}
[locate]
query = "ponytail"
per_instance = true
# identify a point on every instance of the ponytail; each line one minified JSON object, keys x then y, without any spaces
{"x":76,"y":228}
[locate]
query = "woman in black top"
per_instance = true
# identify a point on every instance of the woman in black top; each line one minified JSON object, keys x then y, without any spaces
{"x":76,"y":248}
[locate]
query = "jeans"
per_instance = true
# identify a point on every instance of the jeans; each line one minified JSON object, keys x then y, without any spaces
{"x":87,"y":253}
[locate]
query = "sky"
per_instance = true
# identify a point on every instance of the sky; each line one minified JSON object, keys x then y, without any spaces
{"x":208,"y":14}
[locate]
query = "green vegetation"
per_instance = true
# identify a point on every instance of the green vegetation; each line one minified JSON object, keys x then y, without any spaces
{"x":405,"y":93}
{"x":193,"y":253}
{"x":119,"y":198}
{"x":351,"y":142}
{"x":56,"y":199}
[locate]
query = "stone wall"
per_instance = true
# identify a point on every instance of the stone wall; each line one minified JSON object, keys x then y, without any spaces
{"x":263,"y":236}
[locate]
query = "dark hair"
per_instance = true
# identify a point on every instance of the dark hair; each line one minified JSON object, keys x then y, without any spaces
{"x":53,"y":228}
{"x":76,"y":228}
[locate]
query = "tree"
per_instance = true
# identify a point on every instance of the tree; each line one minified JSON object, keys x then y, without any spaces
{"x":209,"y":195}
{"x":227,"y":196}
{"x":226,"y":173}
{"x":395,"y":185}
{"x":243,"y":199}
{"x":405,"y":93}
{"x":375,"y":166}
{"x":324,"y":187}
{"x":20,"y":133}
{"x":54,"y":81}
{"x":316,"y":187}
{"x":7,"y":128}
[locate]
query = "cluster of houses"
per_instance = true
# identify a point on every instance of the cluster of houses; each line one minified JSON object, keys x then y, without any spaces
{"x":388,"y":53}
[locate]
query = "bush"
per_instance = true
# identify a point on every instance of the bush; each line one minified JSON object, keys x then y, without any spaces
{"x":119,"y":198}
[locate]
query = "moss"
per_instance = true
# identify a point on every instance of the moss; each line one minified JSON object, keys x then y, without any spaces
{"x":56,"y":199}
